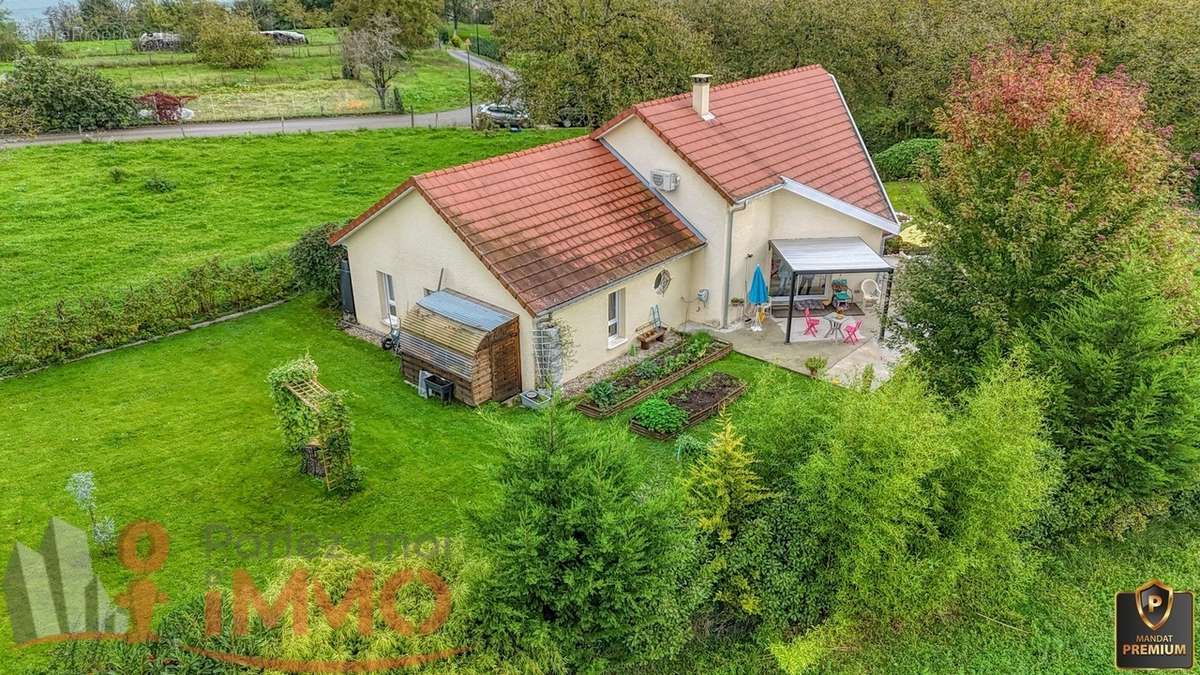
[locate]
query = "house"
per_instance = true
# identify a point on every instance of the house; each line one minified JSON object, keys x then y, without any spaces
{"x":663,"y":212}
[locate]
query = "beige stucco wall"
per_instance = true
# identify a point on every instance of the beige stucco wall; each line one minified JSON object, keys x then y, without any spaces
{"x":703,"y":206}
{"x":410,"y":241}
{"x":588,"y":316}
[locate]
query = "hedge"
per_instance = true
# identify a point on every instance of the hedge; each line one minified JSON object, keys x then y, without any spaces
{"x":485,"y":47}
{"x":72,"y":328}
{"x":904,"y":160}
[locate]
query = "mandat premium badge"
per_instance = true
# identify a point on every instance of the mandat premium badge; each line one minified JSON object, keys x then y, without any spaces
{"x":1154,"y":627}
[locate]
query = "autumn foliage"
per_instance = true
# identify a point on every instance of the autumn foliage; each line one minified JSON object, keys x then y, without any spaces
{"x":1051,"y":175}
{"x":1010,"y":93}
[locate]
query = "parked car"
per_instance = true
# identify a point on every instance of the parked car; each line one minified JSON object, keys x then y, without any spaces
{"x":504,"y":115}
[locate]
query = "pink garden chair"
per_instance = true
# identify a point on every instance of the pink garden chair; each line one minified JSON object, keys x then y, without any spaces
{"x":852,"y":332}
{"x":810,"y":322}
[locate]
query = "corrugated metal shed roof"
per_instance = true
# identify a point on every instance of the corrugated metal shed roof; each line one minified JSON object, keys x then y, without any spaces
{"x":465,"y":310}
{"x":833,"y":254}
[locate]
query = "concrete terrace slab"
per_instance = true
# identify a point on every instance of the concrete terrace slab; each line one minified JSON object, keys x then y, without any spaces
{"x":844,"y":362}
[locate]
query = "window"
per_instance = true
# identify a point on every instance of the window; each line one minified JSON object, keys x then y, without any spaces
{"x":661,"y":282}
{"x":616,"y":307}
{"x":387,"y":297}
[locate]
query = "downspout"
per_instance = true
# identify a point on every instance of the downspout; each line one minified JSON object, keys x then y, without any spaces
{"x":737,"y":206}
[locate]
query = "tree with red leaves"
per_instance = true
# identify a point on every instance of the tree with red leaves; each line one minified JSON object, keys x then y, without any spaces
{"x":165,"y":107}
{"x":1051,"y":175}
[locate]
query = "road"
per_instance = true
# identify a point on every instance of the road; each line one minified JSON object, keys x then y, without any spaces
{"x":459,"y":117}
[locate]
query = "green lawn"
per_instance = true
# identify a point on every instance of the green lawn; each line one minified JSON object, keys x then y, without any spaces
{"x":67,"y":228}
{"x":182,"y":432}
{"x":300,"y":81}
{"x":907,"y":196}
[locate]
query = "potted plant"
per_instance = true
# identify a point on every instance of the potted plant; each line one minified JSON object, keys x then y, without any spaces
{"x":815,"y":365}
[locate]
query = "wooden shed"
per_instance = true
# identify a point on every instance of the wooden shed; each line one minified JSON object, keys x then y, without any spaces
{"x":473,"y":344}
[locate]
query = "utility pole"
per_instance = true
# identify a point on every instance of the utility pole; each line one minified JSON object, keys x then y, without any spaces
{"x":470,"y":87}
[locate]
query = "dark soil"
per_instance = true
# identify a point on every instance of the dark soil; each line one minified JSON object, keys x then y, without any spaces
{"x":705,"y":393}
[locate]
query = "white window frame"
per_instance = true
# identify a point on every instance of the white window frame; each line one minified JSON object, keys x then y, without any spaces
{"x":387,"y":299}
{"x":616,"y":318}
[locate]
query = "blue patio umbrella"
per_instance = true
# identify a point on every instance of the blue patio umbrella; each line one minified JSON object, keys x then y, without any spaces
{"x":758,"y":288}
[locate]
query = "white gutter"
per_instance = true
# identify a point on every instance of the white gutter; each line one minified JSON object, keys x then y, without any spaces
{"x":739,"y":205}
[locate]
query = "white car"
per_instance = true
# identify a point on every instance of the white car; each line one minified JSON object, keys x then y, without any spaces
{"x":504,"y":115}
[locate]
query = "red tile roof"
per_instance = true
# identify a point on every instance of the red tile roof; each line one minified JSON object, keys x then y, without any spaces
{"x":552,"y":223}
{"x":793,"y":123}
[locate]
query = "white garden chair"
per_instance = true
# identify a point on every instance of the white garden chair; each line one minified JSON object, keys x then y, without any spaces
{"x":870,"y":291}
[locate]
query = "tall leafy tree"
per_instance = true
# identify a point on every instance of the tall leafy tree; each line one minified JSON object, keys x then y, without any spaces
{"x":597,"y":57}
{"x":1126,"y":403}
{"x":1050,"y":175}
{"x":415,"y":20}
{"x":589,"y":566}
{"x":374,"y":53}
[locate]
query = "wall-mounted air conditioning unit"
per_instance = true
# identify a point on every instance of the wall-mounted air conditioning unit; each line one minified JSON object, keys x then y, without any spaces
{"x":665,"y":181}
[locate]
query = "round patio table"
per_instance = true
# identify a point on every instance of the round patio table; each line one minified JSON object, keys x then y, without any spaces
{"x":835,"y":325}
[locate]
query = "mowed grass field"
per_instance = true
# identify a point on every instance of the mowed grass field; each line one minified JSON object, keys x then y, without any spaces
{"x":182,"y":432}
{"x":68,"y":227}
{"x":301,"y":80}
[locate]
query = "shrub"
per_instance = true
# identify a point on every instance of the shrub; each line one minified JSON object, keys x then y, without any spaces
{"x":229,"y":40}
{"x":72,"y":328}
{"x":456,"y":41}
{"x":589,"y":566}
{"x":158,"y":184}
{"x":118,"y":174}
{"x":63,"y":96}
{"x":657,"y":415}
{"x":183,"y":628}
{"x":724,"y":493}
{"x":318,"y":265}
{"x":48,"y":47}
{"x":10,"y":38}
{"x":902,"y":504}
{"x":1125,"y":408}
{"x":485,"y":47}
{"x":815,"y":365}
{"x":907,"y":159}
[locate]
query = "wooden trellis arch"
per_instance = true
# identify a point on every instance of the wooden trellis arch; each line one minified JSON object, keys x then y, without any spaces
{"x":313,"y":395}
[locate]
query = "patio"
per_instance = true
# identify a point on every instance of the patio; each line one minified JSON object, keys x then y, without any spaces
{"x":844,"y":361}
{"x":802,"y":276}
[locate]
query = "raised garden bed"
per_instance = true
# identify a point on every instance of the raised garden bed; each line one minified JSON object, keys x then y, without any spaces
{"x":699,"y":401}
{"x":636,"y":383}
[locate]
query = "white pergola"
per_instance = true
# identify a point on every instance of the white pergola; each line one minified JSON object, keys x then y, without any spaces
{"x":843,"y":255}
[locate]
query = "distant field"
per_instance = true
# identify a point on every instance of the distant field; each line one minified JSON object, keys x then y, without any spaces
{"x":301,"y":81}
{"x":68,"y":228}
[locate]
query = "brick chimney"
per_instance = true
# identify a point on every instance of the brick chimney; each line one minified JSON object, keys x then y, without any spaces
{"x":700,"y":96}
